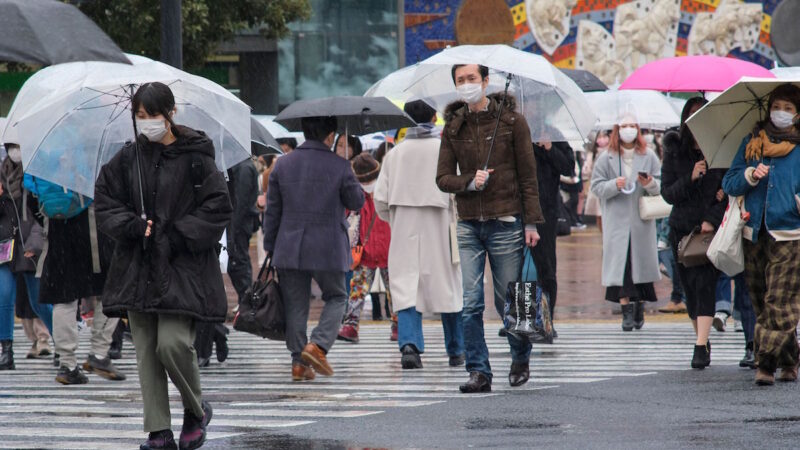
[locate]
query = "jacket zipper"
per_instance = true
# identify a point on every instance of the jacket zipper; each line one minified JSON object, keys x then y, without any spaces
{"x":478,"y":143}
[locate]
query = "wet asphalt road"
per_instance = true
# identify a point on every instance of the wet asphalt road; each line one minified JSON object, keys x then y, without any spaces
{"x":715,"y":408}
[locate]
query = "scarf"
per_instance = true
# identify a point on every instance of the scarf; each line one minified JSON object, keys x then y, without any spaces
{"x":768,"y":142}
{"x":11,"y":174}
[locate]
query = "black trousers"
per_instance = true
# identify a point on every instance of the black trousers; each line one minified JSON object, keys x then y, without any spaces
{"x":205,"y":336}
{"x":544,"y":255}
{"x":240,"y":269}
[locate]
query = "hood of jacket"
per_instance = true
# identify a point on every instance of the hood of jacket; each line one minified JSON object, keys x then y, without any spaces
{"x":456,"y":112}
{"x":188,"y":140}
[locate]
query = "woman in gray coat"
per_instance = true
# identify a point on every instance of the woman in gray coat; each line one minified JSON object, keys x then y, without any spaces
{"x":622,"y":175}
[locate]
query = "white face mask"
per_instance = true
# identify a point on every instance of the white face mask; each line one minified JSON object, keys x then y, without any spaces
{"x":368,"y":188}
{"x":15,"y":154}
{"x":153,"y":129}
{"x":781,"y":119}
{"x":649,"y":138}
{"x":470,"y":92}
{"x":628,"y":135}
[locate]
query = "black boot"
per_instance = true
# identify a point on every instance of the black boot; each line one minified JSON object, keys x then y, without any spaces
{"x":410,"y":357}
{"x":702,"y":356}
{"x":7,"y":357}
{"x":749,"y":359}
{"x":627,"y":317}
{"x":638,"y":315}
{"x":221,"y":341}
{"x":519,"y":374}
{"x":478,"y":382}
{"x":376,"y":306}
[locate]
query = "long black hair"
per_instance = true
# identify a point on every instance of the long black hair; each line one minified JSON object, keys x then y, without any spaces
{"x":687,"y":139}
{"x":156,"y":98}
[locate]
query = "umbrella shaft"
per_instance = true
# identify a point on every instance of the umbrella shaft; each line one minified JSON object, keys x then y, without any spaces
{"x":497,"y":123}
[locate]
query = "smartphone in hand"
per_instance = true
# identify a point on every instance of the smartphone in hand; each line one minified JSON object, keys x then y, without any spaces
{"x":644,"y":174}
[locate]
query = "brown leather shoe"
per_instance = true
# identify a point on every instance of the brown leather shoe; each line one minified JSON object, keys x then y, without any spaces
{"x":314,"y":356}
{"x":764,"y":378}
{"x":788,"y":374}
{"x":302,"y":373}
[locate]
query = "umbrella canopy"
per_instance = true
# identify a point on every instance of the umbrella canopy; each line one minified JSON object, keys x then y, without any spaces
{"x":786,"y":73}
{"x":70,"y":119}
{"x":262,"y":141}
{"x":553,"y":105}
{"x":721,"y":124}
{"x":52,"y":32}
{"x":652,"y":109}
{"x":394,"y":85}
{"x":356,"y":115}
{"x":585,"y":80}
{"x":704,"y":73}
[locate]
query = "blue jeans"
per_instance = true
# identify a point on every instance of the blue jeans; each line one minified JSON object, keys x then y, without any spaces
{"x":409,"y":331}
{"x":741,"y":302}
{"x":502,"y":242}
{"x":8,"y":295}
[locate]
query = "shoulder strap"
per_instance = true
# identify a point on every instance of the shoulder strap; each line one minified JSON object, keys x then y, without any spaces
{"x":369,"y":228}
{"x":93,"y":240}
{"x":197,"y":172}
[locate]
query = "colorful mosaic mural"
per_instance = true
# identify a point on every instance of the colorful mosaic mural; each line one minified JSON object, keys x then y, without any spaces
{"x":610,"y":38}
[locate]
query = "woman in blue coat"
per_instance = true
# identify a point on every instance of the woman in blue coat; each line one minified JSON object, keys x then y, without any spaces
{"x":765,"y":171}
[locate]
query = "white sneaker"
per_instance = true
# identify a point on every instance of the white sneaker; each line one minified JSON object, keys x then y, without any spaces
{"x":719,"y":321}
{"x":737,"y":326}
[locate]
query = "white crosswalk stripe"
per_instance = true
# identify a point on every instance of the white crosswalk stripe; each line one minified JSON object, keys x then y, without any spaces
{"x":253,"y":390}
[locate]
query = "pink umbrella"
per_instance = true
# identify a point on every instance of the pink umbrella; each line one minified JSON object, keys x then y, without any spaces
{"x":703,"y":73}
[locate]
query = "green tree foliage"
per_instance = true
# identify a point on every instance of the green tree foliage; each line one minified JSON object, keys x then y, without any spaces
{"x":135,"y":25}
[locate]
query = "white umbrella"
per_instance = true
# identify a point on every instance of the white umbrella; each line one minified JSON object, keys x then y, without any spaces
{"x":553,"y":105}
{"x":653,"y":109}
{"x":786,"y":73}
{"x":72,"y":118}
{"x":720,"y":126}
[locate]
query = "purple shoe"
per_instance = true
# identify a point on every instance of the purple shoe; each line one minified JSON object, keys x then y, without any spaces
{"x":193,"y":433}
{"x":160,"y":440}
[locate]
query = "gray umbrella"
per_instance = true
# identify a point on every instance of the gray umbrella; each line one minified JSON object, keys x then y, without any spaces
{"x":50,"y":32}
{"x":585,"y":80}
{"x":356,"y":115}
{"x":261,"y":140}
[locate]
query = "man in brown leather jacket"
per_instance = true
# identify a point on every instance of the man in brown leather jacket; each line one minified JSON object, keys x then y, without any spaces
{"x":498,"y":208}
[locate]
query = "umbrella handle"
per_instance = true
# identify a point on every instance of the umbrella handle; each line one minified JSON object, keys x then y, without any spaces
{"x":497,"y":123}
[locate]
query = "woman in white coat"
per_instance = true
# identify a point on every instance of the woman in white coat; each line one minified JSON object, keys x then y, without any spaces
{"x":425,"y":277}
{"x":622,"y":175}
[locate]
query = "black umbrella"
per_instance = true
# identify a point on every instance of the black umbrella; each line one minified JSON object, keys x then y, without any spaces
{"x":585,"y":80}
{"x":261,"y":140}
{"x":356,"y":115}
{"x":50,"y":32}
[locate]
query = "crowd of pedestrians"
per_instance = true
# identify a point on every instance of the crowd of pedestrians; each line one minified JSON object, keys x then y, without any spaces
{"x":422,"y":219}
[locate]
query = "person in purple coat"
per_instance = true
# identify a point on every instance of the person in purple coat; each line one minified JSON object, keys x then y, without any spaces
{"x":305,"y":234}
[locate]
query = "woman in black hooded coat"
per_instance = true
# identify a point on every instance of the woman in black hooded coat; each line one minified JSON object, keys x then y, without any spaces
{"x":165,"y":271}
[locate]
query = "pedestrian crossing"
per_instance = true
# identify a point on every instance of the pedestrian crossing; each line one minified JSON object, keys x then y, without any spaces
{"x":253,"y":392}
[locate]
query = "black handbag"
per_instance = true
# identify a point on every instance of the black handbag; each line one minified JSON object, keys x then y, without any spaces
{"x":261,"y":311}
{"x":527,"y":311}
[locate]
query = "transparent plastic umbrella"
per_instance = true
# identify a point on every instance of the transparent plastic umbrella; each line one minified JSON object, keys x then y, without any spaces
{"x":653,"y":109}
{"x":553,"y":105}
{"x":70,"y":119}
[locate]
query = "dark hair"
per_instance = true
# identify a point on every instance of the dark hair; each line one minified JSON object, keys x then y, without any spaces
{"x":156,"y":98}
{"x":290,"y":141}
{"x":687,"y":139}
{"x":786,"y":92}
{"x":381,"y":151}
{"x":352,"y":141}
{"x":318,"y":128}
{"x":483,"y":70}
{"x":420,"y":111}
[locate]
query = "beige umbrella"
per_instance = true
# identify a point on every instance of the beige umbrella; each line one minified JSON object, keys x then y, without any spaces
{"x":721,"y":125}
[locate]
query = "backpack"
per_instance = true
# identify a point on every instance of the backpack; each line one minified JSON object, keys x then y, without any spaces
{"x":56,"y":202}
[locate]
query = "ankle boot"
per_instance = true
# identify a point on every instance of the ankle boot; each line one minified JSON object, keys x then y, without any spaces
{"x":7,"y":357}
{"x":627,"y":317}
{"x":749,"y":359}
{"x":638,"y":315}
{"x":702,"y":357}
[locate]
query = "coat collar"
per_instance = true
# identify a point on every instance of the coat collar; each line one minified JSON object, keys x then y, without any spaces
{"x":313,"y":145}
